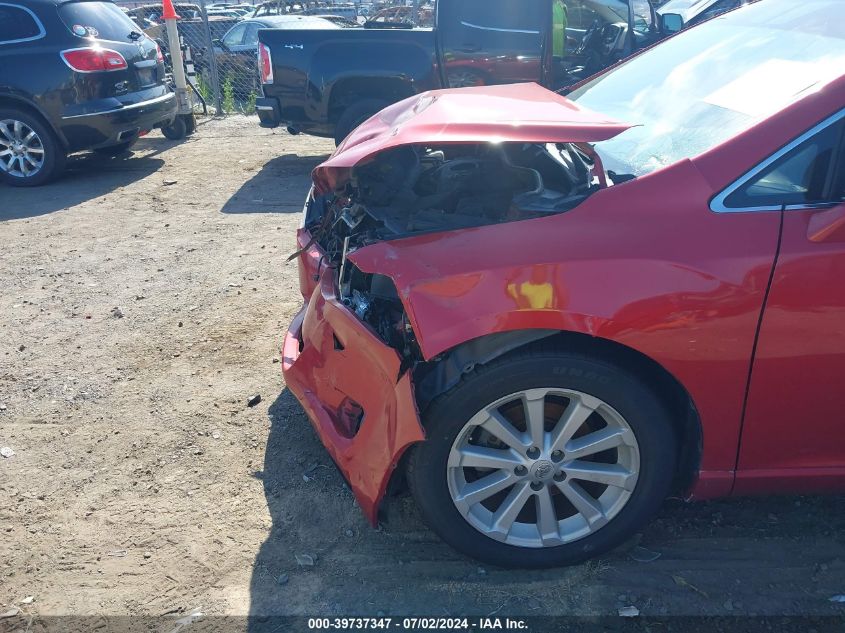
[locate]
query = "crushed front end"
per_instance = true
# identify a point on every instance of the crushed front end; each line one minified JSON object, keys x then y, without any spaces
{"x":351,"y":356}
{"x":352,"y":385}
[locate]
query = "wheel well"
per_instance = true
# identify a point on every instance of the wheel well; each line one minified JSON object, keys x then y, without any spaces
{"x":474,"y":71}
{"x":14,"y":102}
{"x":443,"y":373}
{"x":348,"y":91}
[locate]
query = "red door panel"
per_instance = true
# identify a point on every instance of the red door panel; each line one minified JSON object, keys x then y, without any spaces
{"x":795,"y":416}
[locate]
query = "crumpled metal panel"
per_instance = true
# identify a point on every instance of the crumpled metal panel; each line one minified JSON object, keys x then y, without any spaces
{"x":522,"y":113}
{"x":343,"y":368}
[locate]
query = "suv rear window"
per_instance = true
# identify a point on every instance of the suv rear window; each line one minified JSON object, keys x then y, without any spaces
{"x":17,"y":24}
{"x":100,"y":20}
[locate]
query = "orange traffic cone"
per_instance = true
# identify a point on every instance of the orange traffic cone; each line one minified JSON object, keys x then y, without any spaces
{"x":169,"y":12}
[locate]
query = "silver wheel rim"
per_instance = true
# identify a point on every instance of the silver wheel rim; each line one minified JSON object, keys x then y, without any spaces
{"x":543,"y":467}
{"x":21,"y":149}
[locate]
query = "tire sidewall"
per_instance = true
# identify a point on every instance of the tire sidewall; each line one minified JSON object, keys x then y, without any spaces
{"x":54,"y":155}
{"x":355,"y":115}
{"x":177,"y":130}
{"x":447,"y":416}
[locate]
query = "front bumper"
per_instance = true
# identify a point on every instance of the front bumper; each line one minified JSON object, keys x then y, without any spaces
{"x":111,"y":122}
{"x":337,"y":368}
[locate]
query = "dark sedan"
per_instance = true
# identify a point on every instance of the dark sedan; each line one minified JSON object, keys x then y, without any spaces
{"x":237,"y":50}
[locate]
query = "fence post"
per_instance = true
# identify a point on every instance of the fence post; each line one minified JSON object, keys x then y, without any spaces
{"x":212,"y":61}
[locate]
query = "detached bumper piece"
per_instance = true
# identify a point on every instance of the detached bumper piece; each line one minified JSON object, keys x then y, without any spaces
{"x":349,"y":383}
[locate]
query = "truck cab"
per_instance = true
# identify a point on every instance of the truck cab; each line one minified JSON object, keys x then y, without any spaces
{"x":327,"y":83}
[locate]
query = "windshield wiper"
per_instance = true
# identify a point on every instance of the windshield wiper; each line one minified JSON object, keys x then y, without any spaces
{"x":618,"y":179}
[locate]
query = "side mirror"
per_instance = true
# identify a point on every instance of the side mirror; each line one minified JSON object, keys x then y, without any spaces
{"x":828,"y":225}
{"x":671,"y":23}
{"x":219,"y":44}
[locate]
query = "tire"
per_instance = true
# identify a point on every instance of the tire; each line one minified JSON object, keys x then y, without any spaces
{"x":355,"y":115}
{"x":190,"y":124}
{"x":465,"y":78}
{"x":116,"y":150}
{"x":40,"y":141}
{"x":628,"y":408}
{"x":177,"y":130}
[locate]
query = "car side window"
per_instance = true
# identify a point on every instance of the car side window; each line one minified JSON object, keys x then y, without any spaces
{"x":805,"y":175}
{"x":642,"y":16}
{"x":235,"y":36}
{"x":17,"y":25}
{"x":581,"y":17}
{"x":251,"y":34}
{"x":839,"y":170}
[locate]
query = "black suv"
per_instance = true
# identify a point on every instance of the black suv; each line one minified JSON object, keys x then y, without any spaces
{"x":74,"y":75}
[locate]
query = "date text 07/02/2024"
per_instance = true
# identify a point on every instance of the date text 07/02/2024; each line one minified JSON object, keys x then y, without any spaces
{"x":418,"y":623}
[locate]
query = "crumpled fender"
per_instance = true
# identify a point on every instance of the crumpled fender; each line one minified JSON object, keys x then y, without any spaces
{"x":623,"y":267}
{"x":338,"y":369}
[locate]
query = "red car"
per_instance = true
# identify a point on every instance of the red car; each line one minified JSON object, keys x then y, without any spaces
{"x":549,"y":314}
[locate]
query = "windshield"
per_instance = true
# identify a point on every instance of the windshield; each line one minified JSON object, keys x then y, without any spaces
{"x":700,"y":88}
{"x":608,"y":10}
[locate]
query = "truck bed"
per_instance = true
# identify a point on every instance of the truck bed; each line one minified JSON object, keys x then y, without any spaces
{"x":317,"y":74}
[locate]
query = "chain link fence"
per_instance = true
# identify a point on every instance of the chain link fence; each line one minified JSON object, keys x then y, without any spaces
{"x":224,"y":79}
{"x":219,"y":40}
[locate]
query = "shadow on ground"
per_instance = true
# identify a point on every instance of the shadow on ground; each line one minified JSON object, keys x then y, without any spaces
{"x":290,"y":444}
{"x":773,"y":556}
{"x":278,"y":188}
{"x":87,"y":176}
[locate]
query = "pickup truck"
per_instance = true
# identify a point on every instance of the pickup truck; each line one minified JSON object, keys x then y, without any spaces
{"x":325,"y":83}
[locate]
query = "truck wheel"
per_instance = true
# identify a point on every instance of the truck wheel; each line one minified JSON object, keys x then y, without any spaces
{"x":30,"y":154}
{"x":465,"y":78}
{"x":542,"y":458}
{"x":355,"y":115}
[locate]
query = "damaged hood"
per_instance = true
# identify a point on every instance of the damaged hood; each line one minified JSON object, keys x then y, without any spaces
{"x":521,"y":113}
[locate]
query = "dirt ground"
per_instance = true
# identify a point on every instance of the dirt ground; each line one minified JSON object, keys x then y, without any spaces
{"x":142,"y":303}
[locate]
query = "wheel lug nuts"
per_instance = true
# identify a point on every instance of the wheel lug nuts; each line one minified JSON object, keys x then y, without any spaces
{"x":557,"y":456}
{"x":561,"y":476}
{"x":520,"y":470}
{"x":536,"y":485}
{"x":533,"y":452}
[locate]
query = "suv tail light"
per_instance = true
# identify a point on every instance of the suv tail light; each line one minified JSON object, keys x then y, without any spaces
{"x":159,"y":54}
{"x":265,"y":64}
{"x":92,"y":60}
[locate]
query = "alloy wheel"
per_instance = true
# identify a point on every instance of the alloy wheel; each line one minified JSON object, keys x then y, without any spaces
{"x":21,"y":149}
{"x":543,"y":467}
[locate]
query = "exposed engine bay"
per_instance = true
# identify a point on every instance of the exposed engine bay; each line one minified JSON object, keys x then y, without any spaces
{"x":411,"y":190}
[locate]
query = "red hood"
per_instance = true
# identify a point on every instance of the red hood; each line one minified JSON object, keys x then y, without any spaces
{"x":523,"y":113}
